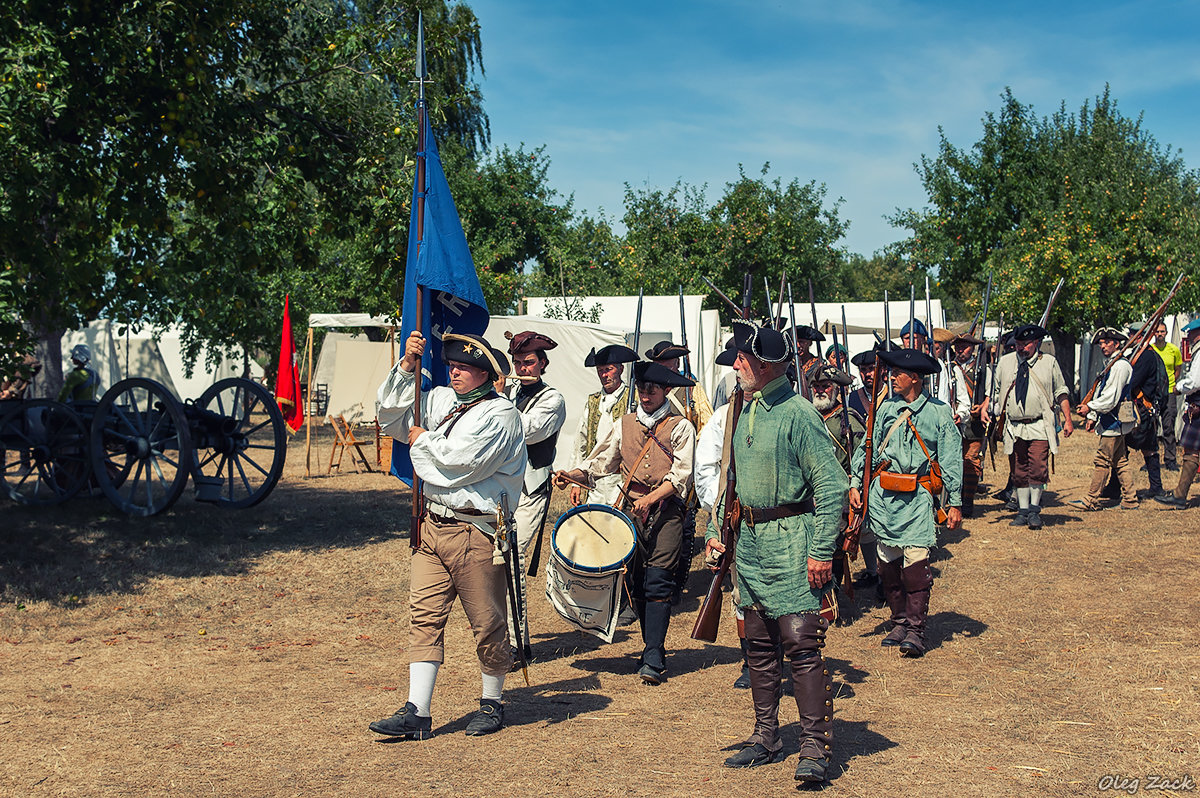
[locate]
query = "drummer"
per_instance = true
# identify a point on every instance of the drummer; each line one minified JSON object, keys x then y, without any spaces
{"x":652,"y":449}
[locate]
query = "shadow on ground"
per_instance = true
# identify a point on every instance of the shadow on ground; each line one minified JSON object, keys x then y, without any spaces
{"x":84,"y":548}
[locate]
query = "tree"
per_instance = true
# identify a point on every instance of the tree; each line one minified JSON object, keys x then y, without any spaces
{"x":179,"y":161}
{"x":1090,"y":197}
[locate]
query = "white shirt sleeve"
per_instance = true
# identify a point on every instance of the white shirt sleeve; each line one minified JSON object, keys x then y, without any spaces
{"x":1110,"y":395}
{"x":545,"y":416}
{"x":1190,"y":382}
{"x":708,"y":459}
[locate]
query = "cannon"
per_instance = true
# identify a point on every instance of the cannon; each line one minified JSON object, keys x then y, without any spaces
{"x":138,"y":445}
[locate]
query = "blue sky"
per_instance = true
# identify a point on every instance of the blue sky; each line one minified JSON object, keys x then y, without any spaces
{"x":849,"y":94}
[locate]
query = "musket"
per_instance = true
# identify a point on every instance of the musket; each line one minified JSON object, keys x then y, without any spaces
{"x":746,"y":281}
{"x":974,"y":323}
{"x":812,"y":303}
{"x":929,"y":344}
{"x":687,"y":362}
{"x":737,"y":311}
{"x":506,"y":535}
{"x":993,"y":426}
{"x":1141,"y":338}
{"x":422,"y":76}
{"x":841,"y":364}
{"x":637,"y":341}
{"x":887,"y":322}
{"x":801,"y":377}
{"x":779,"y":315}
{"x":1050,"y":303}
{"x":912,"y":315}
{"x":977,"y":394}
{"x":708,"y":619}
{"x":770,"y":305}
{"x":854,"y":525}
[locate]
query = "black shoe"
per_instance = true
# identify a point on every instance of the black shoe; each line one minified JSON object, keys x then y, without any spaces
{"x":811,"y":770}
{"x":751,"y":757}
{"x":1020,"y":519}
{"x":1012,"y":504}
{"x":1170,"y":500}
{"x":911,"y":649}
{"x":866,"y":579}
{"x":652,"y":675}
{"x":1171,"y":466}
{"x":1035,"y":521}
{"x":743,"y":682}
{"x":488,"y":719}
{"x":405,"y":724}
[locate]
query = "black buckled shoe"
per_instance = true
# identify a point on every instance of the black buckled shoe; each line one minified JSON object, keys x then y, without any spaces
{"x":405,"y":724}
{"x":751,"y":756}
{"x":1020,"y":519}
{"x":1035,"y":520}
{"x":812,"y":771}
{"x":489,"y":718}
{"x":743,"y":682}
{"x":1171,"y":501}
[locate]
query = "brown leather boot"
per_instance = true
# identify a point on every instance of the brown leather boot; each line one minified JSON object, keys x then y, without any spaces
{"x":1189,"y":464}
{"x":1100,"y":478}
{"x":764,"y":682}
{"x":917,"y":579}
{"x":803,"y":637}
{"x":893,"y":594}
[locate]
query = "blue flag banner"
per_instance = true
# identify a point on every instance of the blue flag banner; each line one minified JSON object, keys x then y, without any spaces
{"x":441,"y":263}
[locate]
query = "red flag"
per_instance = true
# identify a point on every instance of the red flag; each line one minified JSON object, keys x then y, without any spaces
{"x":287,"y":382}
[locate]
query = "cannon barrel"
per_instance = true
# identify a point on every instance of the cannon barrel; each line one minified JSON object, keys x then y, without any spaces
{"x":206,"y":421}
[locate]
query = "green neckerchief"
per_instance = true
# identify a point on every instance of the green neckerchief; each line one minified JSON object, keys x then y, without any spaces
{"x":770,"y":389}
{"x":471,"y":396}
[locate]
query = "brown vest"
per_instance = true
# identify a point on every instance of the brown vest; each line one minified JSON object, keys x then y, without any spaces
{"x":651,"y":470}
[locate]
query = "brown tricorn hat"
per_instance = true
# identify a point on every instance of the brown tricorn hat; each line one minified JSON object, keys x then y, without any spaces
{"x":529,"y":341}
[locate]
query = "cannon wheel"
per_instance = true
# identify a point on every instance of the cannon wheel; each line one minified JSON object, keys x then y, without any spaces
{"x":141,"y":447}
{"x":249,"y":460}
{"x":43,"y":446}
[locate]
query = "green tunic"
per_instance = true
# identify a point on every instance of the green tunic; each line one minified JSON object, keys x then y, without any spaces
{"x":907,"y":519}
{"x":783,"y":454}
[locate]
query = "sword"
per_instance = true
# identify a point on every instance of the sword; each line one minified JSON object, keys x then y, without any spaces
{"x":506,"y":530}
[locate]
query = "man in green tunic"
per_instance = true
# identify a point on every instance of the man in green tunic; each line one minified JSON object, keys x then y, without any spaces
{"x":917,"y":453}
{"x":791,"y":490}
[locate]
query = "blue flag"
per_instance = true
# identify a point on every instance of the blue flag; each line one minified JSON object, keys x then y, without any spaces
{"x":441,"y":263}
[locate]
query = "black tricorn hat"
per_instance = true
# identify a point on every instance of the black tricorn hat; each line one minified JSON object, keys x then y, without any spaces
{"x":864,"y":359}
{"x":832,"y":374}
{"x":806,"y":333}
{"x":912,"y":360}
{"x":1109,"y":334}
{"x":649,"y":371}
{"x":529,"y":341}
{"x":608,"y":355}
{"x":473,"y":350}
{"x":1029,"y":332}
{"x":967,"y":338}
{"x":665,"y":350}
{"x":728,"y":354}
{"x":765,"y":343}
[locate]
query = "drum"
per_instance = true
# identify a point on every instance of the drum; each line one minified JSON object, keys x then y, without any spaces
{"x":589,"y":548}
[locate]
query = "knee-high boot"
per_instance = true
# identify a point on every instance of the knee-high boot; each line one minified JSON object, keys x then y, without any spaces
{"x":654,"y":631}
{"x":803,"y":637}
{"x":893,"y":593}
{"x":917,"y":579}
{"x":1154,"y":472}
{"x":1189,"y":464}
{"x":764,"y":681}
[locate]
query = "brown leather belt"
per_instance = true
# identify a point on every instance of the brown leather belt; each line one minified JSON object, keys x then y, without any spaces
{"x":761,"y":515}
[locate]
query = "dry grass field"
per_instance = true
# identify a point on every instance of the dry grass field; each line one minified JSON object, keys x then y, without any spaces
{"x":243,"y":653}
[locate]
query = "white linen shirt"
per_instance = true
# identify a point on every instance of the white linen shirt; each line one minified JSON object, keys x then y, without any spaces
{"x":483,"y":457}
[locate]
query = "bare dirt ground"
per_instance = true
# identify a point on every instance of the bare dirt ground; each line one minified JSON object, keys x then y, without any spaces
{"x":243,"y":653}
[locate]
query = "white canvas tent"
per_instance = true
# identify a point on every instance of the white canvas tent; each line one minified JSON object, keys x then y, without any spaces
{"x":358,"y":367}
{"x":660,"y":313}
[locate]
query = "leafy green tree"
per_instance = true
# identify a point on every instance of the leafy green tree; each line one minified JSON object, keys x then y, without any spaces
{"x":1090,"y":197}
{"x":177,"y":161}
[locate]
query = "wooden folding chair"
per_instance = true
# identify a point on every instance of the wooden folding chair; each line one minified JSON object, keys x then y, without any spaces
{"x":343,"y":439}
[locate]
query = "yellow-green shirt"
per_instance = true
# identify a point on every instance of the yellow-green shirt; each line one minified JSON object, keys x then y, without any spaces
{"x":1173,"y":359}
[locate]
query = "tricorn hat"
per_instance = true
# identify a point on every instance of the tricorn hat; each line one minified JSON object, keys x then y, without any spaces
{"x":864,"y":359}
{"x":913,"y":360}
{"x":942,"y":335}
{"x":473,"y":350}
{"x":529,"y":341}
{"x":806,"y":333}
{"x":728,"y":354}
{"x":967,"y":338}
{"x":832,"y":374}
{"x":1109,"y":334}
{"x":657,"y":373}
{"x":665,"y":350}
{"x":1029,"y":332}
{"x":765,"y":343}
{"x":609,"y":355}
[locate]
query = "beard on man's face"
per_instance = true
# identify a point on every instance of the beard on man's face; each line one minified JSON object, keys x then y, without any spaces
{"x":823,"y":403}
